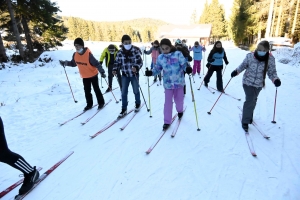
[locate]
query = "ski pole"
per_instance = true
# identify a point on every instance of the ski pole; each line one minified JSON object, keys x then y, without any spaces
{"x":219,"y":97}
{"x":141,"y":92}
{"x":274,"y":122}
{"x":101,"y":82}
{"x":145,"y":64}
{"x":149,"y":94}
{"x":111,"y":90}
{"x":70,"y":85}
{"x":193,"y":99}
{"x":224,"y":70}
{"x":204,"y":77}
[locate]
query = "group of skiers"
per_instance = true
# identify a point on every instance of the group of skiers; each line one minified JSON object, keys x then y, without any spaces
{"x":173,"y":62}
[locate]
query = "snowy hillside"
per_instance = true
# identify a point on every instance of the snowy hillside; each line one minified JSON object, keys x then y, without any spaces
{"x":214,"y":163}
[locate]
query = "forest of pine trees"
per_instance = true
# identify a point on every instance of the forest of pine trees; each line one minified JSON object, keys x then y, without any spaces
{"x":140,"y":30}
{"x":249,"y":20}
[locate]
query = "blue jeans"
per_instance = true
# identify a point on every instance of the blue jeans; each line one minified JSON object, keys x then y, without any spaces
{"x":135,"y":87}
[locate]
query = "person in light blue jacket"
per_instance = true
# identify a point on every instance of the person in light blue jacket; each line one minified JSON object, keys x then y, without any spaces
{"x":215,"y":63}
{"x":197,"y":56}
{"x":174,"y":65}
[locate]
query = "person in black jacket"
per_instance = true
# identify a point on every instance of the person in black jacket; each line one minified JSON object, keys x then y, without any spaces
{"x":215,"y":63}
{"x":31,"y":174}
{"x":186,"y":53}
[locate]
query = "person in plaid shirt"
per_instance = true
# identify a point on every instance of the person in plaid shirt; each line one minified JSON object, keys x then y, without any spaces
{"x":129,"y":61}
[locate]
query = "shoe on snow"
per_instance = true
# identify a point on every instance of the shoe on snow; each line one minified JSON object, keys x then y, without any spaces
{"x":245,"y":127}
{"x":122,"y":113}
{"x":166,"y":126}
{"x":87,"y":108}
{"x":29,"y":180}
{"x":180,"y":115}
{"x":205,"y":84}
{"x":137,"y":107}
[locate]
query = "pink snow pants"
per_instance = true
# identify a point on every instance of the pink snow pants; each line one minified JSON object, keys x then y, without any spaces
{"x":197,"y":66}
{"x":178,"y":99}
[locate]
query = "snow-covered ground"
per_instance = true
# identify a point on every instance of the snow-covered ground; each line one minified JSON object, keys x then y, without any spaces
{"x":214,"y":163}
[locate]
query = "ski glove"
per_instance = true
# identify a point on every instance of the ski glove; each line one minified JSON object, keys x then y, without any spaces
{"x":227,"y":63}
{"x":234,"y":73}
{"x":148,"y":73}
{"x":277,"y":83}
{"x":135,"y":69}
{"x":188,"y":70}
{"x":62,"y":63}
{"x":114,"y":72}
{"x":103,"y":75}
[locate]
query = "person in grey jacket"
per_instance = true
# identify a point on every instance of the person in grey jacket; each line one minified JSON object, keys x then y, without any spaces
{"x":257,"y":65}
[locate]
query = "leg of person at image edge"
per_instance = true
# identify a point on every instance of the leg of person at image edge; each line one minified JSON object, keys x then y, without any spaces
{"x":249,"y":105}
{"x":168,"y":107}
{"x":16,"y":161}
{"x":135,"y":87}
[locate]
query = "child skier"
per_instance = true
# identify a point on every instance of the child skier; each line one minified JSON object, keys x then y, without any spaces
{"x":173,"y":64}
{"x":197,"y":56}
{"x":155,"y":52}
{"x":257,"y":65}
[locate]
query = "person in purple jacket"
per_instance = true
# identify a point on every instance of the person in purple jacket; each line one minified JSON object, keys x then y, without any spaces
{"x":155,"y":52}
{"x":173,"y":64}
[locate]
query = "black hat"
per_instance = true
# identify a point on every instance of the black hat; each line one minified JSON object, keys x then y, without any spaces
{"x":79,"y":41}
{"x":196,"y":43}
{"x":165,"y":41}
{"x":156,"y":42}
{"x":111,"y":46}
{"x":125,"y":37}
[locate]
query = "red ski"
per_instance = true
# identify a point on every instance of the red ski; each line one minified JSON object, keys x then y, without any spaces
{"x":177,"y":125}
{"x":109,"y":125}
{"x":44,"y":175}
{"x":129,"y":120}
{"x":76,"y":116}
{"x":13,"y":186}
{"x":160,"y":136}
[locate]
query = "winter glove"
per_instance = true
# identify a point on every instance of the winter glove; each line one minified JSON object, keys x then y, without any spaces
{"x":234,"y":73}
{"x":277,"y":83}
{"x":62,"y":63}
{"x":188,"y":70}
{"x":145,"y":51}
{"x":103,"y":75}
{"x":227,"y":63}
{"x":114,"y":72}
{"x":148,"y":72}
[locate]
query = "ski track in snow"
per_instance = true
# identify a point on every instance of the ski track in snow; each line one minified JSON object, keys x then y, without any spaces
{"x":214,"y":163}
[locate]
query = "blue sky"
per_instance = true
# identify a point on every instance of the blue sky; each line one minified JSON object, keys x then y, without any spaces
{"x":176,"y":12}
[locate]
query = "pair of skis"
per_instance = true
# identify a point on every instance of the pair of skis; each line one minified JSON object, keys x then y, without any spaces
{"x":115,"y":121}
{"x":87,"y":120}
{"x":248,"y":138}
{"x":162,"y":133}
{"x":38,"y":181}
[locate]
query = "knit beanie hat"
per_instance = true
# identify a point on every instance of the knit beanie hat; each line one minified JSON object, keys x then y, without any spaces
{"x":125,"y":37}
{"x":111,"y":46}
{"x":165,"y":41}
{"x":156,"y":42}
{"x":79,"y":41}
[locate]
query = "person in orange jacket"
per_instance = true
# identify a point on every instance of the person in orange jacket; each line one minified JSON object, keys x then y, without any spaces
{"x":88,"y":67}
